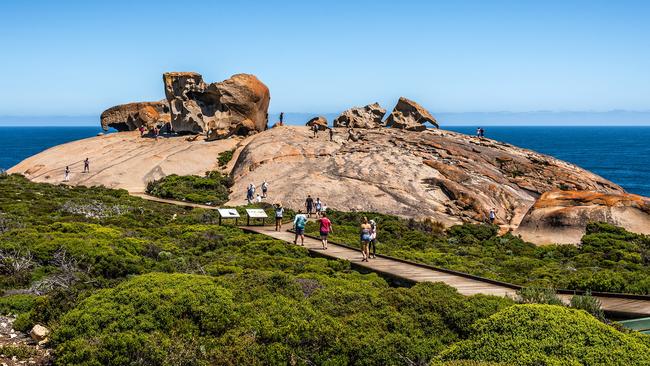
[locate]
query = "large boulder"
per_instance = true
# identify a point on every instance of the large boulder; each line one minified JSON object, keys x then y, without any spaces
{"x":129,"y":117}
{"x":408,"y":115}
{"x":369,"y":116}
{"x":319,"y":121}
{"x":238,"y":105}
{"x":561,"y":216}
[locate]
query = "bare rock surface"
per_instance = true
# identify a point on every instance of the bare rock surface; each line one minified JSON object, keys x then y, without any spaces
{"x":236,"y":106}
{"x":319,"y":121}
{"x":32,"y":353}
{"x":562,"y":216}
{"x":124,"y":160}
{"x":408,"y":115}
{"x":369,"y":116}
{"x":129,"y":117}
{"x":448,"y":176}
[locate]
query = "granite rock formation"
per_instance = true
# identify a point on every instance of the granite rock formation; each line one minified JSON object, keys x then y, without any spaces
{"x":129,"y":117}
{"x":369,"y":116}
{"x":562,"y":216}
{"x":319,"y":121}
{"x":450,"y":177}
{"x":408,"y":115}
{"x":236,"y":106}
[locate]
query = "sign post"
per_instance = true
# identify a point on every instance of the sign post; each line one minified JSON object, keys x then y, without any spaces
{"x":228,"y":213}
{"x":256,"y":213}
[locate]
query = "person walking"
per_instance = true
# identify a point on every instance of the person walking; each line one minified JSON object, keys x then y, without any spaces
{"x":250,"y":191}
{"x":331,"y":133}
{"x":365,"y":238}
{"x":279,"y":214}
{"x":318,"y":206}
{"x":299,"y":223}
{"x":314,"y":128}
{"x":66,"y":174}
{"x":86,"y":166}
{"x":373,"y":238}
{"x":309,"y":205}
{"x":265,"y":188}
{"x":492,"y":215}
{"x":325,"y":229}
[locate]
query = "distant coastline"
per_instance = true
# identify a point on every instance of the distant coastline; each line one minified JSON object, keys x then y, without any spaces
{"x":533,"y":118}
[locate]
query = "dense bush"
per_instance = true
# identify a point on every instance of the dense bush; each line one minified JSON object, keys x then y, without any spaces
{"x":127,"y":281}
{"x":609,"y":259}
{"x":213,"y":189}
{"x":549,"y":335}
{"x":225,"y":157}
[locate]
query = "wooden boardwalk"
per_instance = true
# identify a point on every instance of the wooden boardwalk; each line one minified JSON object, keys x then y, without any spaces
{"x":419,"y":273}
{"x":619,"y":304}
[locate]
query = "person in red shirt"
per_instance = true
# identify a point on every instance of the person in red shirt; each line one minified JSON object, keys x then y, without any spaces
{"x":325,"y":228}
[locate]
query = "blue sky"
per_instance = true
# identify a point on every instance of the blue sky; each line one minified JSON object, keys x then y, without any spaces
{"x":80,"y":57}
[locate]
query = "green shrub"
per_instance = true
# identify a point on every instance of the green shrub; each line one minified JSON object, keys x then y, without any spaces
{"x":225,"y":157}
{"x":589,"y":304}
{"x":20,"y":351}
{"x":548,"y":335}
{"x":538,"y":295}
{"x":213,"y":189}
{"x":17,"y":304}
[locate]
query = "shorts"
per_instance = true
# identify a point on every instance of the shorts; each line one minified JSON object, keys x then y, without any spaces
{"x":278,"y":219}
{"x":300,"y":231}
{"x":324,"y":234}
{"x":365,"y":238}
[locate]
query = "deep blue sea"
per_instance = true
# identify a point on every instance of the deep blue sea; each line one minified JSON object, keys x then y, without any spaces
{"x":620,"y":154}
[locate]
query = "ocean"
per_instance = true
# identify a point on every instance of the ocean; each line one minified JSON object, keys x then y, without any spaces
{"x":619,"y":154}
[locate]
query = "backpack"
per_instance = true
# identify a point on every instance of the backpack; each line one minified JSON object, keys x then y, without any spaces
{"x":300,"y":223}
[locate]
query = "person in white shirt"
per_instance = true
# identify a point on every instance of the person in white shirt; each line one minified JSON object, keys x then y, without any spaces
{"x":265,"y":188}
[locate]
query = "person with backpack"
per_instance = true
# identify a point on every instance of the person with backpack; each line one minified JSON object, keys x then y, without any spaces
{"x":265,"y":188}
{"x":325,"y":229}
{"x":299,"y":223}
{"x":279,"y":214}
{"x":373,"y":238}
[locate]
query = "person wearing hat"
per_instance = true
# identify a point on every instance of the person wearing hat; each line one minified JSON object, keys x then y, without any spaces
{"x":279,"y":213}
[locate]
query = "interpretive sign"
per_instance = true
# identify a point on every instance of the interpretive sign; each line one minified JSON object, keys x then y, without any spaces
{"x":255,"y":213}
{"x":228,"y":213}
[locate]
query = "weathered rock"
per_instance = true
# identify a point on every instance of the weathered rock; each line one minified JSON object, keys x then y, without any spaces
{"x":319,"y":121}
{"x":562,"y":216}
{"x":238,"y":105}
{"x":369,"y":116}
{"x":408,"y":115}
{"x":39,"y":332}
{"x":129,"y":117}
{"x":447,"y":176}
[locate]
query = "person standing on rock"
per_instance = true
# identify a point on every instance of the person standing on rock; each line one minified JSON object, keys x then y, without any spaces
{"x":86,"y":166}
{"x":281,"y":119}
{"x":331,"y":133}
{"x":314,"y":128}
{"x":279,"y":214}
{"x":365,"y":238}
{"x":373,"y":239}
{"x":309,"y":205}
{"x":66,"y":174}
{"x":478,"y":132}
{"x":325,"y":229}
{"x":492,"y":215}
{"x":265,"y":188}
{"x":250,"y":191}
{"x":299,"y":223}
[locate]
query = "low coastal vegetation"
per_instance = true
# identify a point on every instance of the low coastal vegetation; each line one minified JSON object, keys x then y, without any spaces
{"x":609,"y":258}
{"x":124,"y":281}
{"x":212,"y":189}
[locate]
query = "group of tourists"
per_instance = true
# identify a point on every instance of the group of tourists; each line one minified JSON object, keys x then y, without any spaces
{"x":480,"y":132}
{"x":315,"y":129}
{"x":66,"y":172}
{"x":252,"y":197}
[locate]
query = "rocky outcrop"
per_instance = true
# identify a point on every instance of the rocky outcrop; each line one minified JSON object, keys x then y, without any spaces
{"x":562,"y":216}
{"x":369,"y":116}
{"x":236,"y":106}
{"x":450,"y":177}
{"x":408,"y":115}
{"x":129,"y":117}
{"x":319,"y":121}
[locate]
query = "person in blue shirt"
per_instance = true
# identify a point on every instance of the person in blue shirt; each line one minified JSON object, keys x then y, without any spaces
{"x":299,"y":223}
